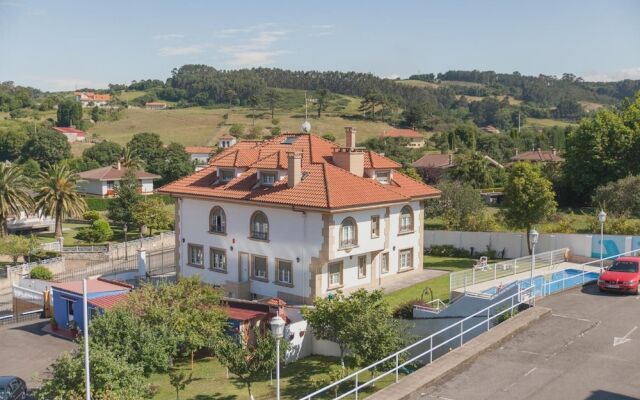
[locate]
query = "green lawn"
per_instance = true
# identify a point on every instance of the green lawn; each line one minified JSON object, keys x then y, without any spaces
{"x":69,"y":231}
{"x":210,"y":381}
{"x":439,"y":285}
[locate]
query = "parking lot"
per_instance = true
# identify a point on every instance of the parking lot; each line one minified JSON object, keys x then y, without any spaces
{"x":587,"y":348}
{"x":26,"y":351}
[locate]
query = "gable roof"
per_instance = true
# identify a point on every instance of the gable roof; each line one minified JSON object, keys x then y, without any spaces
{"x":69,"y":130}
{"x":108,"y":302}
{"x":93,"y":286}
{"x":323,"y":185}
{"x":538,"y":155}
{"x":406,"y":133}
{"x":434,"y":161}
{"x":113,"y":173}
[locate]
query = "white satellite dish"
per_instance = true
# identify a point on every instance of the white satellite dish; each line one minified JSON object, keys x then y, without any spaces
{"x":306,"y":127}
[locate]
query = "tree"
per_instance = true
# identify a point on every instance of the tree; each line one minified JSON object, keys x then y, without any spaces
{"x":620,"y":198}
{"x":104,"y":153}
{"x":14,"y":195}
{"x":69,"y":113}
{"x":47,"y":147}
{"x":249,"y":361}
{"x":58,"y":196}
{"x":95,"y":113}
{"x":11,"y":145}
{"x":528,"y":197}
{"x":130,"y":159}
{"x":273,"y":99}
{"x":176,"y":164}
{"x":127,"y":196}
{"x":322,"y":100}
{"x":473,"y":169}
{"x":152,"y":214}
{"x":236,"y":130}
{"x":15,"y":247}
{"x":111,"y":378}
{"x":253,"y":101}
{"x":457,"y":202}
{"x":179,"y":380}
{"x":149,"y":148}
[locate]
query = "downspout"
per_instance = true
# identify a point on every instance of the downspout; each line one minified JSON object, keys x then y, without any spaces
{"x":304,"y":253}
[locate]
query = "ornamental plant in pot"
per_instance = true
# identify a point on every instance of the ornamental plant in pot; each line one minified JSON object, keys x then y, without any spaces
{"x":54,"y":324}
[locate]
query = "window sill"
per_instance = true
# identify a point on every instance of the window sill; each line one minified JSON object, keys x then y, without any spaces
{"x":220,"y":271}
{"x":375,"y":236}
{"x":405,"y":233}
{"x":336,"y":287}
{"x":258,"y":239}
{"x":258,"y":279}
{"x":407,"y":269}
{"x":217,"y":233}
{"x":362,"y":277}
{"x":195,"y":266}
{"x":348,"y":247}
{"x":284,"y":284}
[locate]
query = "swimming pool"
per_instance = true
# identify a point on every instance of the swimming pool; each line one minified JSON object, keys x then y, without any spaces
{"x":554,"y":282}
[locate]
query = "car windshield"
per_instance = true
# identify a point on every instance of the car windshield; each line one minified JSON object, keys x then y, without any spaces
{"x":624,"y":266}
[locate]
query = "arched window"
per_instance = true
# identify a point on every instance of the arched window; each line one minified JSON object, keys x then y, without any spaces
{"x":406,"y":219}
{"x":348,"y":233}
{"x":259,"y":226}
{"x":217,"y":220}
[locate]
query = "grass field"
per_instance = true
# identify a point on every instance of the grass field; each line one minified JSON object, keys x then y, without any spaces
{"x":197,"y":126}
{"x":546,"y":123}
{"x":439,"y":285}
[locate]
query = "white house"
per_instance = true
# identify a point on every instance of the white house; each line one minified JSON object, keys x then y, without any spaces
{"x":199,"y":155}
{"x":30,"y":222}
{"x":297,"y":217}
{"x":92,"y":99}
{"x":72,"y":134}
{"x":226,"y":141}
{"x":103,"y":181}
{"x":416,"y":139}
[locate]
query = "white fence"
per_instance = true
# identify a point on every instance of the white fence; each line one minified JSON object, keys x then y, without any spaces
{"x":396,"y":362}
{"x":515,"y":244}
{"x":467,"y":277}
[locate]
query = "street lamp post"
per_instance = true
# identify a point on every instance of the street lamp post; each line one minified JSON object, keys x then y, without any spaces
{"x":277,"y":330}
{"x":602,"y":217}
{"x":533,"y":239}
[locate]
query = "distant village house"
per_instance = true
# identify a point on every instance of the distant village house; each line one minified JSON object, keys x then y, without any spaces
{"x":226,"y":141}
{"x":542,"y":156}
{"x":92,"y":99}
{"x":199,"y":155}
{"x":103,"y":181}
{"x":72,"y":134}
{"x":151,"y":105}
{"x":416,"y":139}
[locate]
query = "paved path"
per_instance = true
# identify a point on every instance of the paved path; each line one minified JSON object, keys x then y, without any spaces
{"x":401,"y":281}
{"x":26,"y":351}
{"x":571,"y":354}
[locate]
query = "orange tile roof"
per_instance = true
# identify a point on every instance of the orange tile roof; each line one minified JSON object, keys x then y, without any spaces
{"x":323,"y":186}
{"x":198,"y":149}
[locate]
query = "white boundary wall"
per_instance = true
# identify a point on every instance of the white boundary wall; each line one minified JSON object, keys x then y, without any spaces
{"x":515,"y":244}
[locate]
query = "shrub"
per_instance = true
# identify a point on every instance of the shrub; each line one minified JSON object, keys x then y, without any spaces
{"x":41,"y":272}
{"x":275,"y":121}
{"x":480,"y":221}
{"x":43,"y":255}
{"x":329,"y":137}
{"x":562,"y":224}
{"x":98,"y":232}
{"x":97,"y":204}
{"x":616,"y":226}
{"x":447,"y":250}
{"x":91,"y":215}
{"x":236,"y":130}
{"x":405,"y":310}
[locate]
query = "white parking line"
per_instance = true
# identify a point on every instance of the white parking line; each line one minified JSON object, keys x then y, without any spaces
{"x":570,"y":317}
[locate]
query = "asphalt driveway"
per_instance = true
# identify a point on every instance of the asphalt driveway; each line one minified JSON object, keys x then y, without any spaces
{"x":26,"y":351}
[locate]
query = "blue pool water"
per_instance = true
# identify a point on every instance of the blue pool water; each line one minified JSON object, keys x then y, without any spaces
{"x":554,"y":282}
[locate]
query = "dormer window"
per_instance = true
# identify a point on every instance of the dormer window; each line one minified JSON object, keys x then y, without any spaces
{"x":226,"y":175}
{"x":268,"y":178}
{"x":383,"y":177}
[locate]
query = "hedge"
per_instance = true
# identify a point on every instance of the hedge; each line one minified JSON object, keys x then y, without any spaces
{"x":102,"y":204}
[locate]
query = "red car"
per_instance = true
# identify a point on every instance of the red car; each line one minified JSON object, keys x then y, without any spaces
{"x":622,"y":276}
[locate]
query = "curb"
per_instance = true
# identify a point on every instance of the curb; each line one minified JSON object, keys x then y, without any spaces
{"x":409,"y":387}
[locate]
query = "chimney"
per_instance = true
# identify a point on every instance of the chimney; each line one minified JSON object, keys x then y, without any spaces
{"x":294,"y":169}
{"x":350,"y":159}
{"x":516,"y":150}
{"x":350,"y":137}
{"x":119,"y":165}
{"x":553,"y":151}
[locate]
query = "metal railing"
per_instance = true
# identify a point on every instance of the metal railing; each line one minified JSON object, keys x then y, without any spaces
{"x":398,"y":361}
{"x":85,"y":249}
{"x":488,"y":272}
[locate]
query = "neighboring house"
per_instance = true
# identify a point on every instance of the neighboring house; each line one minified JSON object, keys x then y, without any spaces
{"x":92,"y":99}
{"x":101,"y":295}
{"x":30,"y":223}
{"x":226,"y":141}
{"x":244,"y":315}
{"x":491,"y":129}
{"x":415,"y":137}
{"x":542,"y":156}
{"x":199,"y":155}
{"x":151,"y":105}
{"x":72,"y":134}
{"x":433,"y":166}
{"x":103,"y":181}
{"x":297,"y":217}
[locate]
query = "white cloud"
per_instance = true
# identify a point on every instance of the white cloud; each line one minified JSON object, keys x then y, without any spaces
{"x":254,"y":58}
{"x":253,"y":45}
{"x":168,"y":36}
{"x":181,"y":50}
{"x":70,"y":83}
{"x":609,"y":76}
{"x":322,"y":30}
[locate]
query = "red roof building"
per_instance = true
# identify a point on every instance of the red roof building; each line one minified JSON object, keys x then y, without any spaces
{"x":72,"y":134}
{"x":416,"y":139}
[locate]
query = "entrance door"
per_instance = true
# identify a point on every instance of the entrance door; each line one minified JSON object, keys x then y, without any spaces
{"x":243,"y":267}
{"x":70,"y":310}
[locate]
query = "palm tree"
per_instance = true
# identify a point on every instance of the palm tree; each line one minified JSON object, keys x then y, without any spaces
{"x":131,"y":160}
{"x":14,"y":195}
{"x":58,"y":196}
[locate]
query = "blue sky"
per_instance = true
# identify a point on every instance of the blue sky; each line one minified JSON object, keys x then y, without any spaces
{"x":57,"y":45}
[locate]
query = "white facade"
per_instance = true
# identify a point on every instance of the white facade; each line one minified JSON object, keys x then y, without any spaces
{"x":309,"y":240}
{"x":106,"y":188}
{"x":226,"y":142}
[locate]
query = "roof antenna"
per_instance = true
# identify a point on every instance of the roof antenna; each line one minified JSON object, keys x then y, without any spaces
{"x":306,"y":126}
